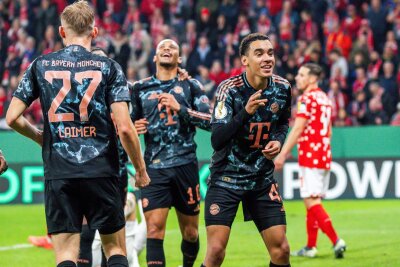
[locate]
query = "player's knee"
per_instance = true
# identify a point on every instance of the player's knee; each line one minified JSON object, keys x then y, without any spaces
{"x":155,"y":231}
{"x":281,"y":253}
{"x":217,"y":254}
{"x":190,"y":234}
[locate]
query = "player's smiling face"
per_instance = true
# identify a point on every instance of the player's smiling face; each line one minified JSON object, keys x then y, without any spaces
{"x":260,"y":58}
{"x":167,"y":53}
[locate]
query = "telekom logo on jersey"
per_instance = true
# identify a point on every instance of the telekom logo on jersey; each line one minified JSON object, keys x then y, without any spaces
{"x":259,"y":135}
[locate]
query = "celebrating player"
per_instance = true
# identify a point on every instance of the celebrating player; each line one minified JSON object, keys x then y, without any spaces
{"x":77,"y":91}
{"x":167,"y":111}
{"x":312,"y":131}
{"x":249,"y":126}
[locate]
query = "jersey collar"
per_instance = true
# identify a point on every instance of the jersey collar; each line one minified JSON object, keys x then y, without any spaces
{"x":270,"y":82}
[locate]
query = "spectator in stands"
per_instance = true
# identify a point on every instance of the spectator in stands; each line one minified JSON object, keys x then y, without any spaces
{"x":388,"y":82}
{"x":338,"y":62}
{"x":308,"y":30}
{"x":140,"y":44}
{"x":201,"y":56}
{"x":120,"y":49}
{"x":338,"y":99}
{"x":352,"y":21}
{"x":395,"y":121}
{"x":358,"y":108}
{"x":377,"y":17}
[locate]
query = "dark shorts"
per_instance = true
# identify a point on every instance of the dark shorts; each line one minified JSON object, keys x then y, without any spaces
{"x":176,"y":186}
{"x":98,"y":199}
{"x":123,"y":188}
{"x":263,"y":206}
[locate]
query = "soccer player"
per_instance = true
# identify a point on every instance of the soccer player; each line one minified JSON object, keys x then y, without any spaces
{"x":77,"y":91}
{"x":312,"y":132}
{"x":3,"y":163}
{"x":167,"y":110}
{"x":249,"y":126}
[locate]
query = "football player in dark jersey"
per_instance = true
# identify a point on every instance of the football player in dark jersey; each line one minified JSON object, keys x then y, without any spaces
{"x":167,"y":111}
{"x":77,"y":91}
{"x":3,"y":163}
{"x":249,"y":126}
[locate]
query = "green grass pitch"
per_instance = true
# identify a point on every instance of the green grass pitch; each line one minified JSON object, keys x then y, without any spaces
{"x":371,"y":229}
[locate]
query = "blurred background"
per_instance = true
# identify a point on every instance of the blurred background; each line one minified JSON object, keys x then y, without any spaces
{"x":356,"y":42}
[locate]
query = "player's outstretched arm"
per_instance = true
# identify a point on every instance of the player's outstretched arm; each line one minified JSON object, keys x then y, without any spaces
{"x":298,"y":127}
{"x":3,"y":163}
{"x":19,"y":123}
{"x":130,"y":141}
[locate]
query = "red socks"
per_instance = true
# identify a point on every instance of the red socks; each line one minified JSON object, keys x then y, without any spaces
{"x":319,"y":215}
{"x":312,"y":229}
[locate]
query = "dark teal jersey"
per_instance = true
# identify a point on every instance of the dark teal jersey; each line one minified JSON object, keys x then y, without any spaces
{"x":76,"y":89}
{"x":238,"y":138}
{"x":170,"y":135}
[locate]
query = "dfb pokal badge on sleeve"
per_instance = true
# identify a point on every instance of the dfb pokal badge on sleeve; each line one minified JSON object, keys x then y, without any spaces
{"x":221,"y":111}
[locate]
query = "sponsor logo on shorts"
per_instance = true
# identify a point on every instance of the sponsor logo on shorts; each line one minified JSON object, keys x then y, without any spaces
{"x":274,"y":107}
{"x":145,"y":202}
{"x":214,"y":209}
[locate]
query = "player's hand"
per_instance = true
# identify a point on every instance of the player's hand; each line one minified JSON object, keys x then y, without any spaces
{"x":169,"y":101}
{"x":141,"y":126}
{"x":142,"y":179}
{"x":279,"y":161}
{"x":255,"y":102}
{"x":272,"y":149}
{"x":183,"y":75}
{"x":3,"y":164}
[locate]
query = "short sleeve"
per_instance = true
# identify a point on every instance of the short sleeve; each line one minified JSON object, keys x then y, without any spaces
{"x":28,"y":89}
{"x":117,"y":85}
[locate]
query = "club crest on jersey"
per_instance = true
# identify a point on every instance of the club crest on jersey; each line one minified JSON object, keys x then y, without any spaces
{"x":274,"y":107}
{"x":214,"y":209}
{"x":178,"y":90}
{"x":220,"y":111}
{"x":204,"y":99}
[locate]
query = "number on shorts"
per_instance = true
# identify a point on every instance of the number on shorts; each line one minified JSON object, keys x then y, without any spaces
{"x":190,"y":193}
{"x":65,"y":75}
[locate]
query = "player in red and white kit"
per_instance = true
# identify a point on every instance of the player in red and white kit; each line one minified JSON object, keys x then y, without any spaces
{"x":312,"y":133}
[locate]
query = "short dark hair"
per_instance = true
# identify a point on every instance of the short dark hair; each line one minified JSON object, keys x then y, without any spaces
{"x":314,"y":69}
{"x":245,"y":44}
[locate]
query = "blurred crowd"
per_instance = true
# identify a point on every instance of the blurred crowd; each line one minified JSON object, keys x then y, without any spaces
{"x":357,"y":43}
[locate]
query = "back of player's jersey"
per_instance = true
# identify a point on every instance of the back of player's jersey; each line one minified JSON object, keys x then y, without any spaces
{"x":314,"y":142}
{"x":76,"y":89}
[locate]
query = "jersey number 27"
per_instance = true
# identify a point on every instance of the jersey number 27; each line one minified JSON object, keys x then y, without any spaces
{"x":65,"y":76}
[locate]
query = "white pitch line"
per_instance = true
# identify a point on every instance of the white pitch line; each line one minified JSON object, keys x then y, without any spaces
{"x":18,"y":246}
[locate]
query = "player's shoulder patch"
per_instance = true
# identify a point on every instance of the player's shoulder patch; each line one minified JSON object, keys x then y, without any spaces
{"x":227,"y":85}
{"x":220,"y":111}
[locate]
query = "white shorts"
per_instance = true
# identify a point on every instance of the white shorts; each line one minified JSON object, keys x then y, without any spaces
{"x":313,"y":182}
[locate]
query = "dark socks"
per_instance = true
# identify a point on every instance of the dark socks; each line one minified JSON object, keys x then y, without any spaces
{"x":66,"y":264}
{"x":117,"y":261}
{"x":155,"y":253}
{"x":189,"y":251}
{"x":85,"y":252}
{"x":276,"y":265}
